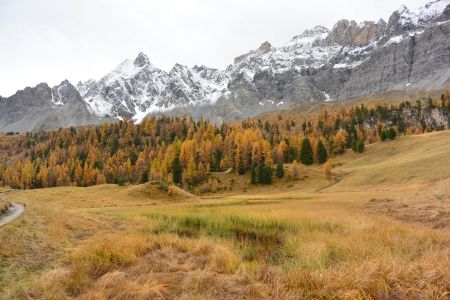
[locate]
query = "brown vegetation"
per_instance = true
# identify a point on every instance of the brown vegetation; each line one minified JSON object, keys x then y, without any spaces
{"x":316,"y":239}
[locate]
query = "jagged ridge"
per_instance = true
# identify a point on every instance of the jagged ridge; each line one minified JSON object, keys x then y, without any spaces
{"x":266,"y":78}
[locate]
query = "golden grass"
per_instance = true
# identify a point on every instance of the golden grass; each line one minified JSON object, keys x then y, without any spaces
{"x":309,"y":241}
{"x":410,"y":159}
{"x":128,"y":266}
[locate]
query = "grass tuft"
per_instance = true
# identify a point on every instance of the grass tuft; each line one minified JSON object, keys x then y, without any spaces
{"x":254,"y":238}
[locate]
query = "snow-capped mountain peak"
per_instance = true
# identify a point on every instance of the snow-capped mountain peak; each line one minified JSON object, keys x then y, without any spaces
{"x":141,"y":60}
{"x":422,"y":16}
{"x":128,"y":68}
{"x":136,"y":88}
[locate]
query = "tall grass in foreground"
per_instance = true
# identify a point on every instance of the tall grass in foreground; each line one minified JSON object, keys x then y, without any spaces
{"x":132,"y":265}
{"x":209,"y":253}
{"x":126,"y":266}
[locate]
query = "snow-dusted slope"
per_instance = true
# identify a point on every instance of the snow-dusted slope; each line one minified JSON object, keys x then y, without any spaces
{"x":424,"y":15}
{"x":405,"y":19}
{"x":307,"y":50}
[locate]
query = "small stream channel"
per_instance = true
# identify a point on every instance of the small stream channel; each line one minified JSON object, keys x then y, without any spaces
{"x":13,"y":213}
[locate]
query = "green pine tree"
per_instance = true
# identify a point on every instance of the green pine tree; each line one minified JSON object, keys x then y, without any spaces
{"x":241,"y":170}
{"x":430,"y":103}
{"x":267,"y":175}
{"x":355,"y":146}
{"x":360,"y":146}
{"x":280,"y":170}
{"x":177,"y":170}
{"x":145,"y":176}
{"x":253,"y":174}
{"x":306,"y":152}
{"x":322,"y":153}
{"x":260,"y":173}
{"x":115,"y":145}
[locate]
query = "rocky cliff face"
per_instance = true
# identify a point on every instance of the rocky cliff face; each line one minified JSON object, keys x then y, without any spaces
{"x":409,"y":52}
{"x":353,"y":34}
{"x":43,"y":107}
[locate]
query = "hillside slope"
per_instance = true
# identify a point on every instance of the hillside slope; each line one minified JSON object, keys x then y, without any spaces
{"x":418,"y":159}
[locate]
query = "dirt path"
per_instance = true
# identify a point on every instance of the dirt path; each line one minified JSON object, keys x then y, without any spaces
{"x":13,"y":213}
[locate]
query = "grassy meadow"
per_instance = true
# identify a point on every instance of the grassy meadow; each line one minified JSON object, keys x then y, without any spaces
{"x":379,"y":229}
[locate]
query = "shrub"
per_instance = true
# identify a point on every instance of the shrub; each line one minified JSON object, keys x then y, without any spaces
{"x":392,"y":133}
{"x":162,"y":185}
{"x":120,"y":181}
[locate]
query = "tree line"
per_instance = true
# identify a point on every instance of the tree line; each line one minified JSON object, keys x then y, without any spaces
{"x":185,"y":151}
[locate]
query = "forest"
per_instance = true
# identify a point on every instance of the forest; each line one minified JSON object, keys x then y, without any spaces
{"x":183,"y":151}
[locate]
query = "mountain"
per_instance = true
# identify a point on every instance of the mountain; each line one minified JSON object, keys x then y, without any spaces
{"x":411,"y":51}
{"x":44,"y":108}
{"x":136,"y":88}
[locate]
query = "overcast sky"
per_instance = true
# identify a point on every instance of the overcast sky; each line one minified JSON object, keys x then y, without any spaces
{"x":51,"y":40}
